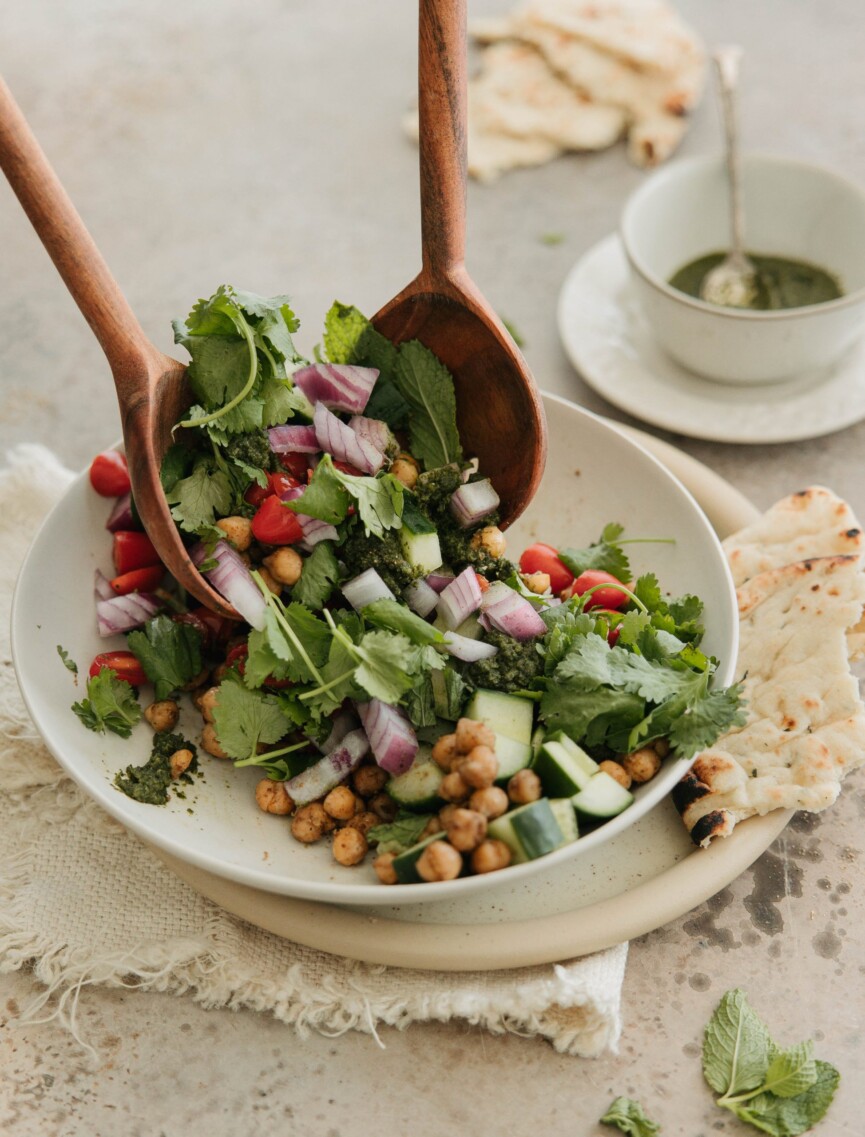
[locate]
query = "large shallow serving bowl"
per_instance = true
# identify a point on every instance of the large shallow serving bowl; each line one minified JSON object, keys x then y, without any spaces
{"x":594,"y":475}
{"x":792,"y":209}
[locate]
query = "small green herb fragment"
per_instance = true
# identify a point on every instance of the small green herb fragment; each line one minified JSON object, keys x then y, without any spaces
{"x":68,"y":663}
{"x":781,"y":1092}
{"x":401,"y":833}
{"x":628,"y":1116}
{"x":110,"y":705}
{"x":604,"y":554}
{"x":150,"y":783}
{"x":551,"y":238}
{"x":513,"y":332}
{"x":169,"y":652}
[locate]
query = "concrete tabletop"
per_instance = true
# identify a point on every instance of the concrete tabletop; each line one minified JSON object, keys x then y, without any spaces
{"x":260,"y":144}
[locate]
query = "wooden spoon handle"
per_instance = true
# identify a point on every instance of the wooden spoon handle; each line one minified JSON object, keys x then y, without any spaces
{"x":442,"y":112}
{"x":68,"y":242}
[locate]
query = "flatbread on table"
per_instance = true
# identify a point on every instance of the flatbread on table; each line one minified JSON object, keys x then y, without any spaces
{"x":805,"y":728}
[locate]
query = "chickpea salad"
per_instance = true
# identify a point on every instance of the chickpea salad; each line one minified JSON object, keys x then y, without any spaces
{"x":401,"y":684}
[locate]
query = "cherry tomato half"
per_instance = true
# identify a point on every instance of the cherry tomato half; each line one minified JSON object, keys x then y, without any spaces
{"x":275,"y":523}
{"x":483,"y":583}
{"x":613,"y":598}
{"x":133,"y":550}
{"x":138,"y":580}
{"x":296,"y":464}
{"x":109,"y":474}
{"x":544,"y":558}
{"x":347,"y":468}
{"x":277,"y":483}
{"x":237,"y":657}
{"x":123,"y":663}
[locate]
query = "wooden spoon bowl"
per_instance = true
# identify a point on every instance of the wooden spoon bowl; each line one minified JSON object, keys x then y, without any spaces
{"x":499,"y":412}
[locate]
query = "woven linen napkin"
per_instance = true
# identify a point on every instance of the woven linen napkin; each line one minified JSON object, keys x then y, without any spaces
{"x":83,"y":902}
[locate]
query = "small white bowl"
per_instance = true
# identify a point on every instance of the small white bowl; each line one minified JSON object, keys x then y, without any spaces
{"x":792,"y":209}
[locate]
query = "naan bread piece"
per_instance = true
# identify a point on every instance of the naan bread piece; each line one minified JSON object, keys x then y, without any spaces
{"x":811,"y":523}
{"x":806,"y":723}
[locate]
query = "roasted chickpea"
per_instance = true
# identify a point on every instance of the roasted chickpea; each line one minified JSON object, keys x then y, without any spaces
{"x":384,"y":870}
{"x":210,"y":741}
{"x":206,"y":703}
{"x":369,"y":780}
{"x":491,"y":801}
{"x":445,"y":814}
{"x":269,"y":581}
{"x":642,"y":765}
{"x":432,"y":826}
{"x":310,"y":823}
{"x":490,"y":856}
{"x":405,"y":469}
{"x":470,"y":734}
{"x":489,"y":540}
{"x":179,"y":762}
{"x":383,"y":806}
{"x":439,"y":861}
{"x":480,"y":768}
{"x":340,"y":803}
{"x":445,"y":751}
{"x":453,"y":788}
{"x":466,"y":830}
{"x":284,"y":565}
{"x":163,"y":715}
{"x":661,"y":746}
{"x":238,"y":530}
{"x":524,"y":786}
{"x":619,"y":773}
{"x":363,"y":821}
{"x":349,"y":846}
{"x":538,"y":582}
{"x":273,"y":797}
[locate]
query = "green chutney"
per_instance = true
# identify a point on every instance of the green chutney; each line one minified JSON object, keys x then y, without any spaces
{"x":780,"y":283}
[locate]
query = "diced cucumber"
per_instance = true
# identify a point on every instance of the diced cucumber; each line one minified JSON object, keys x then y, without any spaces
{"x":510,"y":715}
{"x":563,"y":811}
{"x":512,"y":756}
{"x":418,"y":787}
{"x":421,"y":546}
{"x":404,"y":864}
{"x":537,"y":741}
{"x":529,"y":831}
{"x":603,"y":797}
{"x":563,"y":769}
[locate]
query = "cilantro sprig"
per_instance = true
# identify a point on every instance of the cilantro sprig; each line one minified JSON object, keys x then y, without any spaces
{"x":110,"y":704}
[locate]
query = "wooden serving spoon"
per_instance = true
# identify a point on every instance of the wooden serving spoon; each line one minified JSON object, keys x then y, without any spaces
{"x":151,"y":387}
{"x":499,"y":411}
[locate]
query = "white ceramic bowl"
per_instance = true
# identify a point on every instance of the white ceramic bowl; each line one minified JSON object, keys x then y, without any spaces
{"x":792,"y":209}
{"x":594,"y":475}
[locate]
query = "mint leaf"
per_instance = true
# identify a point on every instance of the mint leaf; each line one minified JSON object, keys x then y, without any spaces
{"x":110,"y":704}
{"x":736,"y":1046}
{"x":790,"y":1116}
{"x":397,"y":617}
{"x":401,"y":833}
{"x":349,"y":337}
{"x":243,"y":719}
{"x":628,"y":1116}
{"x":68,"y":663}
{"x":197,"y":499}
{"x":428,"y":388}
{"x":792,"y":1071}
{"x":318,"y":577}
{"x":169,"y":652}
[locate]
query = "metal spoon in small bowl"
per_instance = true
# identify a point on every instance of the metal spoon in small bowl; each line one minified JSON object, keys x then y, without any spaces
{"x":732,"y":283}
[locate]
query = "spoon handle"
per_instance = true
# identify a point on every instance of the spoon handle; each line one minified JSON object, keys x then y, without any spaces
{"x":727,"y":60}
{"x":68,"y":242}
{"x":442,"y":113}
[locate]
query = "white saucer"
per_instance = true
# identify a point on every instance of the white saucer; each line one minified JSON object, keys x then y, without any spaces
{"x":609,"y":341}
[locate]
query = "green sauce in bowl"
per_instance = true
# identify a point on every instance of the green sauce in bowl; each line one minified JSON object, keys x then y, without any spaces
{"x":781,"y":283}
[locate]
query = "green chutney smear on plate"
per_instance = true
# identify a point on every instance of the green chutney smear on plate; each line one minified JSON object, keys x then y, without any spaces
{"x":781,"y":283}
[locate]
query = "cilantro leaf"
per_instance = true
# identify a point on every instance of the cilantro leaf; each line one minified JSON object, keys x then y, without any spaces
{"x":628,"y":1116}
{"x":603,"y":554}
{"x":318,"y":577}
{"x":705,"y":719}
{"x":387,"y":663}
{"x":110,"y":704}
{"x":169,"y":652}
{"x":400,"y":834}
{"x":243,"y":719}
{"x":428,"y":388}
{"x":325,"y":498}
{"x":68,"y":663}
{"x":378,"y":500}
{"x":298,"y":639}
{"x":198,"y":498}
{"x":397,"y":617}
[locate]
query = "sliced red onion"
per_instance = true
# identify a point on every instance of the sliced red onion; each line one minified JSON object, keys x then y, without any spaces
{"x":290,"y":493}
{"x":440,"y":579}
{"x":511,"y":613}
{"x":293,"y":440}
{"x":365,"y":589}
{"x":314,"y":782}
{"x":341,"y":723}
{"x":341,"y":386}
{"x":391,"y":737}
{"x":373,"y":431}
{"x":315,"y":531}
{"x":420,"y":598}
{"x":233,"y":580}
{"x":341,"y":441}
{"x":467,"y":649}
{"x":102,"y":586}
{"x":471,"y":468}
{"x":473,"y":502}
{"x":460,"y":599}
{"x":123,"y":613}
{"x":120,"y":516}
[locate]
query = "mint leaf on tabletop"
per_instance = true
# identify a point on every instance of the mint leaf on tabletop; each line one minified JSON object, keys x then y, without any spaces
{"x":790,"y":1116}
{"x":169,"y":652}
{"x":736,"y":1046}
{"x":428,"y":388}
{"x":110,"y":705}
{"x":628,"y":1116}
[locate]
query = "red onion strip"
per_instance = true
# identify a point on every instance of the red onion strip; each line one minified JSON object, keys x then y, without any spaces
{"x":365,"y":589}
{"x":123,"y":613}
{"x":342,"y":442}
{"x":391,"y":737}
{"x":473,"y":502}
{"x":232,"y":579}
{"x":460,"y":599}
{"x":467,"y":649}
{"x":373,"y":431}
{"x":439,"y":580}
{"x":293,"y":440}
{"x":120,"y":516}
{"x":511,"y":613}
{"x":420,"y":598}
{"x":102,"y":589}
{"x":341,"y":386}
{"x":314,"y":782}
